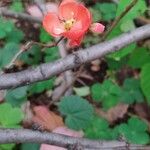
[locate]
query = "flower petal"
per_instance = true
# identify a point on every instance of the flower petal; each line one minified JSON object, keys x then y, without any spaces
{"x":75,"y":42}
{"x":52,"y":24}
{"x":68,"y":10}
{"x":97,"y":28}
{"x":75,"y":32}
{"x":67,"y":1}
{"x":84,"y":16}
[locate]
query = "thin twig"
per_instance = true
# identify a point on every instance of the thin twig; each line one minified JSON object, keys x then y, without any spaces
{"x":21,"y":16}
{"x":117,"y":20}
{"x":68,"y":78}
{"x":41,"y":5}
{"x":48,"y":45}
{"x":64,"y":88}
{"x":23,"y":49}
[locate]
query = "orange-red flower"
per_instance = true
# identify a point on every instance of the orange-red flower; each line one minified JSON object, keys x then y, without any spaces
{"x":72,"y":21}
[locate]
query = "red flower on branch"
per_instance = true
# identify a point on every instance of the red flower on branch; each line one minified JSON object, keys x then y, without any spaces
{"x":72,"y":21}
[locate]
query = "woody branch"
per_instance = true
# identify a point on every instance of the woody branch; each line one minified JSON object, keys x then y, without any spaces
{"x":48,"y":70}
{"x":25,"y":136}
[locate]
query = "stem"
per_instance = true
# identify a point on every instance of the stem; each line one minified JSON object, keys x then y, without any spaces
{"x":117,"y":20}
{"x":23,"y":49}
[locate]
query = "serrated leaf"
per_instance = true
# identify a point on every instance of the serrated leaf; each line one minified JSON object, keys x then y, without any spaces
{"x":134,"y":131}
{"x":137,"y":124}
{"x":99,"y":129}
{"x":32,"y":56}
{"x":96,"y":14}
{"x":2,"y":34}
{"x":15,"y":36}
{"x":30,"y":146}
{"x":16,"y":96}
{"x":11,"y":116}
{"x":45,"y":37}
{"x":114,"y":64}
{"x":136,"y":61}
{"x":82,"y":91}
{"x":131,"y":91}
{"x":96,"y":91}
{"x":51,"y":54}
{"x":145,"y":81}
{"x":127,"y":25}
{"x":7,"y":146}
{"x":137,"y":9}
{"x":41,"y":86}
{"x":17,"y":6}
{"x":108,"y":10}
{"x":77,"y":110}
{"x":110,"y":101}
{"x":107,"y":93}
{"x":123,"y":52}
{"x":6,"y":25}
{"x":9,"y":50}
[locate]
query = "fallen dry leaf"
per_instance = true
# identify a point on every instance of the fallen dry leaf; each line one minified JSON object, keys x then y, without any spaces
{"x":142,"y":110}
{"x":114,"y":113}
{"x":47,"y":119}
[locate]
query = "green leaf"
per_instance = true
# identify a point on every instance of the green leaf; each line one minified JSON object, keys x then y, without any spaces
{"x":116,"y":64}
{"x":96,"y":14}
{"x":7,"y":53}
{"x":108,"y":93}
{"x":138,"y":138}
{"x":135,"y":131}
{"x":41,"y":86}
{"x":17,"y":6}
{"x":108,"y":10}
{"x":138,"y":9}
{"x":127,"y":25}
{"x":32,"y":56}
{"x":137,"y":124}
{"x":11,"y":116}
{"x":2,"y":34}
{"x":110,"y":101}
{"x":90,"y":40}
{"x":16,"y":96}
{"x":131,"y":91}
{"x":6,"y":25}
{"x":136,"y":61}
{"x":123,"y":52}
{"x":51,"y":54}
{"x":30,"y":146}
{"x":145,"y":81}
{"x":82,"y":91}
{"x":98,"y":129}
{"x":7,"y":146}
{"x":15,"y":36}
{"x":96,"y":91}
{"x":77,"y":110}
{"x":45,"y":37}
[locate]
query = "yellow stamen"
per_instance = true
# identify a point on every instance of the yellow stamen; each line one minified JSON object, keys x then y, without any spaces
{"x":68,"y":24}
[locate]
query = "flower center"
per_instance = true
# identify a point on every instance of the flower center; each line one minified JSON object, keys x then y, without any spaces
{"x":68,"y":24}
